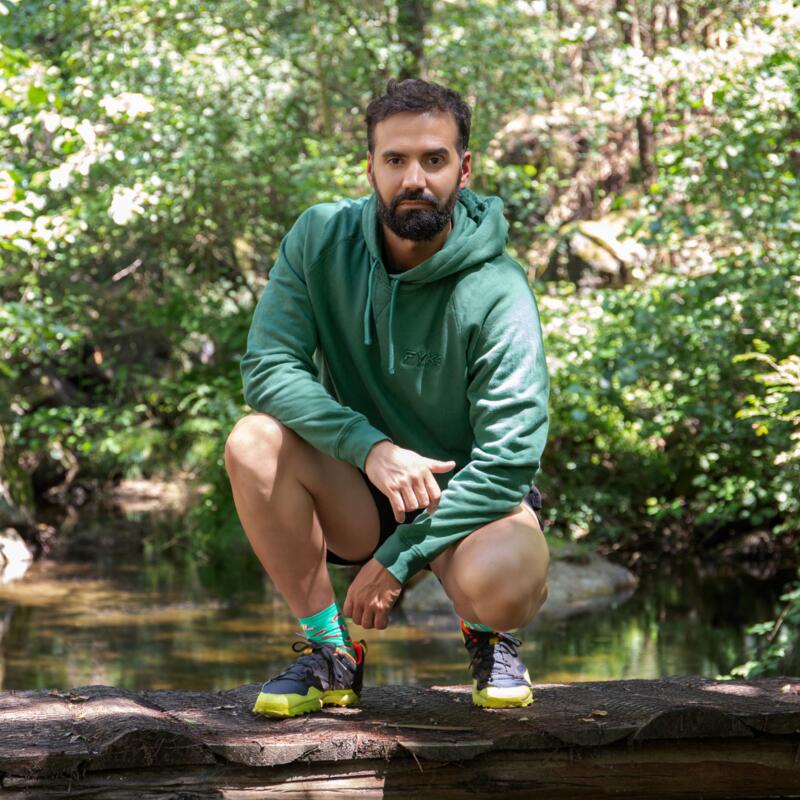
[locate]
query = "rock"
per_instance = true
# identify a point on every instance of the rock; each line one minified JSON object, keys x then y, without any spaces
{"x":16,"y":494}
{"x":15,"y":557}
{"x":541,"y":139}
{"x":591,"y":263}
{"x":599,"y":254}
{"x":579,"y":582}
{"x":136,"y":496}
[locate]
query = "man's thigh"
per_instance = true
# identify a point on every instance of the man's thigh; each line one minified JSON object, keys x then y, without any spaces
{"x":343,"y":505}
{"x":514,"y":546}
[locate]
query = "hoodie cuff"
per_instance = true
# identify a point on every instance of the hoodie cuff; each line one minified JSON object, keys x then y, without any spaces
{"x":401,"y":560}
{"x":355,"y":442}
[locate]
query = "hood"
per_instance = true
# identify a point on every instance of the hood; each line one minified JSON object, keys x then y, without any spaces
{"x":478,"y":235}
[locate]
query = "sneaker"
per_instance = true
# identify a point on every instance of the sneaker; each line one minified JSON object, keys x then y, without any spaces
{"x":500,"y":679}
{"x":323,"y":675}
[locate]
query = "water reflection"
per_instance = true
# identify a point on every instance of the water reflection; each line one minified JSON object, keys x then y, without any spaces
{"x":71,"y":624}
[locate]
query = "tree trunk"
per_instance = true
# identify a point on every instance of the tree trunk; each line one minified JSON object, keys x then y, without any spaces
{"x":644,"y":132}
{"x":589,"y":739}
{"x":326,"y":122}
{"x":683,"y":21}
{"x":629,"y":23}
{"x":412,"y":17}
{"x":555,"y":5}
{"x":631,"y":31}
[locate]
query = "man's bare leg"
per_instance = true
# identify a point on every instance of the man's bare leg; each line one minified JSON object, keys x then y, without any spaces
{"x":497,"y":576}
{"x":287,"y":493}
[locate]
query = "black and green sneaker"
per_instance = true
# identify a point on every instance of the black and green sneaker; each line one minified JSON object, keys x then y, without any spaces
{"x":323,"y":675}
{"x":499,"y":678}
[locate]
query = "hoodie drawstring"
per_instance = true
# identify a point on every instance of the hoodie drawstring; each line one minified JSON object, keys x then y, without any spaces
{"x":368,"y":312}
{"x":395,"y":286}
{"x":368,"y":308}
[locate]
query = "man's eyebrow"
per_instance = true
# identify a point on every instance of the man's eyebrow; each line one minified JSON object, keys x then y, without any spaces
{"x":439,"y":151}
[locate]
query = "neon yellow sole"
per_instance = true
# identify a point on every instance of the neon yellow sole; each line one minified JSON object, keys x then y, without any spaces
{"x":492,"y":697}
{"x":292,"y":705}
{"x":340,"y":697}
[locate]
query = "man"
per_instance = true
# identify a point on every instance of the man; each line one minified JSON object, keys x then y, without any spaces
{"x":399,"y":387}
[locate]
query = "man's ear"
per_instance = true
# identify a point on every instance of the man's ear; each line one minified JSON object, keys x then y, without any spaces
{"x":370,"y":176}
{"x":466,"y":169}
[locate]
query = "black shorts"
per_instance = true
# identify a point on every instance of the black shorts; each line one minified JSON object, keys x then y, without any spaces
{"x":388,"y":523}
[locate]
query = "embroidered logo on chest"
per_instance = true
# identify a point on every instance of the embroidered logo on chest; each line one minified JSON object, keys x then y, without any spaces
{"x":419,"y":358}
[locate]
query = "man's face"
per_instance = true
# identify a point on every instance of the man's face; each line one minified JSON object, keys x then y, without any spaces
{"x":417,"y":173}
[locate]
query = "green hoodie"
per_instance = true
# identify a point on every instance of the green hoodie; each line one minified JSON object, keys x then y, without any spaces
{"x":445,"y":359}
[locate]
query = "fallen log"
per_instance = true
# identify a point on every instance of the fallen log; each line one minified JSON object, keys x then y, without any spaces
{"x":678,"y":737}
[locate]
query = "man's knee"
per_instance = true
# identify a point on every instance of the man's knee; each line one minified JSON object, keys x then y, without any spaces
{"x":254,"y":441}
{"x":517,"y":610}
{"x":539,"y":597}
{"x":509,"y":610}
{"x":500,"y":574}
{"x":500,"y":588}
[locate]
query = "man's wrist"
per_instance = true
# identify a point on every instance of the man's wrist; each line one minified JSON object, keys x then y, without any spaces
{"x":385,"y":572}
{"x":374,"y":448}
{"x":398,"y":558}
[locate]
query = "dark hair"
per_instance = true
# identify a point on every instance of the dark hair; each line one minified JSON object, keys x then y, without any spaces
{"x":418,"y":96}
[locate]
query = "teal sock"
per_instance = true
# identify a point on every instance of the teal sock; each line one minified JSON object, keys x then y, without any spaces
{"x":475,"y":626}
{"x":328,"y":627}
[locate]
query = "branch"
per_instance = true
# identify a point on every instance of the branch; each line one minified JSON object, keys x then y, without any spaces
{"x":353,"y":24}
{"x":328,"y":83}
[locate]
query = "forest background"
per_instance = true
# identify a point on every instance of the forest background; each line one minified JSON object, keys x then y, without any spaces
{"x":153,"y":154}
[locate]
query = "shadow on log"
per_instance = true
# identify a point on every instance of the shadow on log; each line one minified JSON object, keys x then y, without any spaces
{"x":679,"y":737}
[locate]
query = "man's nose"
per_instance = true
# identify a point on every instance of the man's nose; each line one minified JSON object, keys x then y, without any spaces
{"x":414,"y":177}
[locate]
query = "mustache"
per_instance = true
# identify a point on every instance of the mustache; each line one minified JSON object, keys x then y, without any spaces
{"x":417,"y":196}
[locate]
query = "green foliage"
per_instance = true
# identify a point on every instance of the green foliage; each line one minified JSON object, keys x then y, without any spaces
{"x":646,"y":392}
{"x":775,"y":411}
{"x":777,"y":649}
{"x":780,"y":405}
{"x":154,"y":154}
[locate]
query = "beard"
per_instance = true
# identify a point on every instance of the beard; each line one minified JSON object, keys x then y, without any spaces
{"x":419,"y":224}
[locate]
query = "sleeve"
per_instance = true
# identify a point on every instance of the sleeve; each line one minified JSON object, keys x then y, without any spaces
{"x":278,"y":370}
{"x":508,"y":391}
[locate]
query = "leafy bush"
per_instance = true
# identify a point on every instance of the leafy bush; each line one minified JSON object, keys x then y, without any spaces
{"x":647,"y":390}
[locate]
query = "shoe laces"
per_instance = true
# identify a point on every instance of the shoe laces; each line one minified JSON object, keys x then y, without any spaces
{"x":495,"y":649}
{"x":314,"y":655}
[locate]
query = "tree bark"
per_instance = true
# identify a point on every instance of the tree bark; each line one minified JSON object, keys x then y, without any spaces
{"x":718,"y":739}
{"x":412,"y":17}
{"x":683,"y":21}
{"x":319,"y":68}
{"x":631,"y":31}
{"x":556,"y":6}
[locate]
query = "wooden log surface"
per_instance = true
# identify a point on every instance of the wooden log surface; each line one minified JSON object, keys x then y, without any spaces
{"x":693,"y":737}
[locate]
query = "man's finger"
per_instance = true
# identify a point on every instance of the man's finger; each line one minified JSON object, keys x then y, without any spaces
{"x":421,"y":491}
{"x":381,"y":619}
{"x":367,"y":618}
{"x":441,"y":466}
{"x":347,"y":608}
{"x":409,"y":499}
{"x":398,"y":507}
{"x":434,"y":493}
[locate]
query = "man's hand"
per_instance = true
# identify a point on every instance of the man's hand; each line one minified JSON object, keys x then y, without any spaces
{"x":405,"y":477}
{"x":371,"y":596}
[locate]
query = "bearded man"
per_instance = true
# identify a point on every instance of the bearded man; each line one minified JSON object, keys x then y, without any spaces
{"x":399,"y":390}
